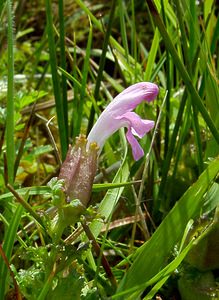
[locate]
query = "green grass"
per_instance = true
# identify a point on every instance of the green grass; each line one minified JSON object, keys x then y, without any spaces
{"x":59,"y":98}
{"x":70,"y":65}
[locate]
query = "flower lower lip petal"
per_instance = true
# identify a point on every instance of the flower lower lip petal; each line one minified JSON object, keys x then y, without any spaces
{"x":137,"y":151}
{"x":138,"y":126}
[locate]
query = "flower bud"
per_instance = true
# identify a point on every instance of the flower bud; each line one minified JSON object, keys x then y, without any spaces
{"x":79,"y":169}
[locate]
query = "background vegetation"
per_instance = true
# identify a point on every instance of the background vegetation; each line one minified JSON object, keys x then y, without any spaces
{"x":153,"y":223}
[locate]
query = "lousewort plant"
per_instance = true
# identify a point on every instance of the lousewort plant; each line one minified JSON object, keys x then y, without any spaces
{"x":79,"y":168}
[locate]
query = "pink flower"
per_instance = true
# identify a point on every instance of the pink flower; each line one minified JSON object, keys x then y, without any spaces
{"x":119,"y":113}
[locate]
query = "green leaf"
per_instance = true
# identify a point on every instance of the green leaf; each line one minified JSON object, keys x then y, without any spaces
{"x":112,"y":197}
{"x":169,"y":232}
{"x":105,"y":186}
{"x":42,"y":190}
{"x":24,"y":99}
{"x":34,"y":190}
{"x":152,"y":56}
{"x":160,"y":278}
{"x":68,"y":288}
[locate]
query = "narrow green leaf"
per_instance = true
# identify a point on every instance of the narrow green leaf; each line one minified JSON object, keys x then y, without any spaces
{"x":10,"y":146}
{"x":152,"y":56}
{"x":111,"y":198}
{"x":55,"y":78}
{"x":105,"y":186}
{"x":43,"y":190}
{"x":8,"y":244}
{"x":123,"y":29}
{"x":84,"y":81}
{"x":63,"y":63}
{"x":34,"y":190}
{"x":70,"y":77}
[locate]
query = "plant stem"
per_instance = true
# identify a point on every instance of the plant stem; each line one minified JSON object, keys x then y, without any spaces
{"x":97,"y":249}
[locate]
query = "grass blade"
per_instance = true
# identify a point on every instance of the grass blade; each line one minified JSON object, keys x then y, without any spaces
{"x":179,"y":64}
{"x":63,"y":63}
{"x":111,"y":198}
{"x":10,"y":146}
{"x":123,"y":29}
{"x":84,"y":81}
{"x":152,"y":56}
{"x":8,"y":247}
{"x":55,"y":77}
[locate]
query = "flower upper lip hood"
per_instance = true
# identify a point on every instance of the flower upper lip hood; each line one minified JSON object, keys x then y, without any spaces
{"x":132,"y":96}
{"x":119,"y":114}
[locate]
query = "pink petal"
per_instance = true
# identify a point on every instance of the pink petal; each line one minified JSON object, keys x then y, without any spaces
{"x":137,"y":151}
{"x":138,"y":127}
{"x":146,"y":91}
{"x":132,"y":96}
